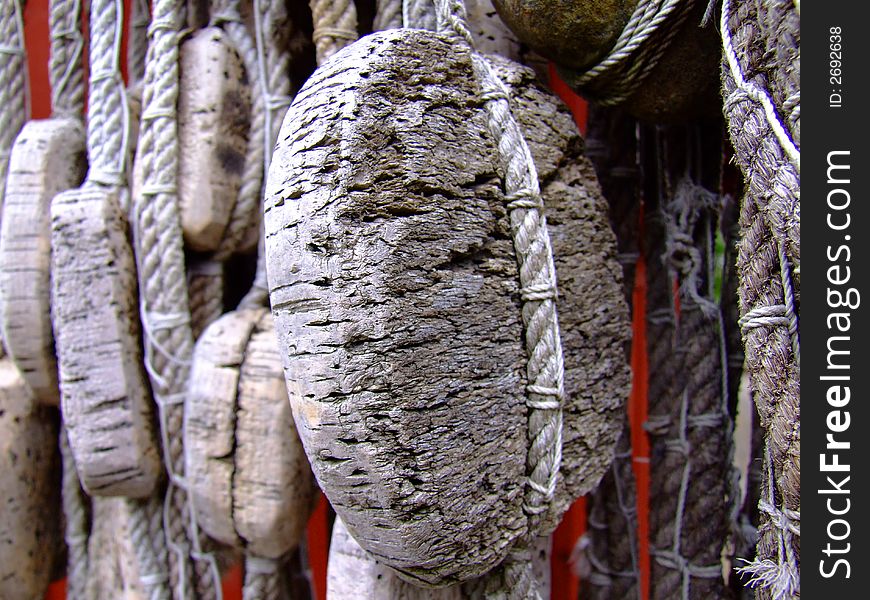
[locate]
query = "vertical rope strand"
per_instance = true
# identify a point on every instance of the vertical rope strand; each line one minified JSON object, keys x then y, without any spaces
{"x":65,"y":70}
{"x":768,"y":265}
{"x":334,"y":26}
{"x":164,"y":301}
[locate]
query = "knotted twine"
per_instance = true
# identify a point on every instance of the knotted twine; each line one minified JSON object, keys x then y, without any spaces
{"x":14,"y":100}
{"x":691,"y":495}
{"x":538,"y":294}
{"x":641,"y":44}
{"x":769,"y":267}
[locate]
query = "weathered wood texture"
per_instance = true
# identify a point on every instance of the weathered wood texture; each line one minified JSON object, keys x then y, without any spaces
{"x":105,"y":396}
{"x":214,"y":110}
{"x":354,"y":574}
{"x":394,"y":287}
{"x":250,"y":481}
{"x":491,"y":35}
{"x":48,"y":157}
{"x":29,"y":489}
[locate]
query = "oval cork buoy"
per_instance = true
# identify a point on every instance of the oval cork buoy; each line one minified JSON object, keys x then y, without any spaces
{"x":394,"y":285}
{"x":29,"y":489}
{"x":249,"y":479}
{"x":572,"y":33}
{"x":576,"y":35}
{"x":214,"y":111}
{"x":48,"y":157}
{"x":105,"y":396}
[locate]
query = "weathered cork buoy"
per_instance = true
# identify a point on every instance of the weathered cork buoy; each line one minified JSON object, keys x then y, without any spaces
{"x":250,"y":482}
{"x":576,"y":35}
{"x":394,"y":286}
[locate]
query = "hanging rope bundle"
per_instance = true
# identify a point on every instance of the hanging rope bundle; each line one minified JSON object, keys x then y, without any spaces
{"x":768,"y":152}
{"x":164,"y":304}
{"x":689,"y":422}
{"x":95,"y":319}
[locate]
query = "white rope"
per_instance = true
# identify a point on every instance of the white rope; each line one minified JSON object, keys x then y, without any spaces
{"x":66,"y":72}
{"x":635,"y":53}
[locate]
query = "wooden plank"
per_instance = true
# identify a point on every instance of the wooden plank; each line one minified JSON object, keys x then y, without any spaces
{"x":214,"y":106}
{"x":105,"y":396}
{"x":48,"y":157}
{"x":29,"y":489}
{"x":394,"y":287}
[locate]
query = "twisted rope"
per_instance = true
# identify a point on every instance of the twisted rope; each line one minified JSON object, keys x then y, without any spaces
{"x":205,"y":285}
{"x":137,"y":47}
{"x":65,"y":72}
{"x":768,"y":264}
{"x":334,"y":26}
{"x":164,"y":305}
{"x":641,"y":44}
{"x":108,"y":153}
{"x":273,"y":59}
{"x":388,"y":15}
{"x":419,"y":14}
{"x":262,"y":578}
{"x":14,"y":101}
{"x":537,"y":275}
{"x":109,"y":111}
{"x":75,"y":510}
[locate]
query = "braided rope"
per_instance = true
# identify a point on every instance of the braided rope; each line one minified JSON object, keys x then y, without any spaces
{"x":641,"y":44}
{"x":537,"y":276}
{"x":164,"y":305}
{"x":137,"y":47}
{"x":65,"y":72}
{"x":262,"y":578}
{"x":109,"y":110}
{"x":273,"y":60}
{"x":768,"y":261}
{"x":419,"y":14}
{"x":388,"y":15}
{"x":14,"y":101}
{"x":75,"y":507}
{"x":334,"y":26}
